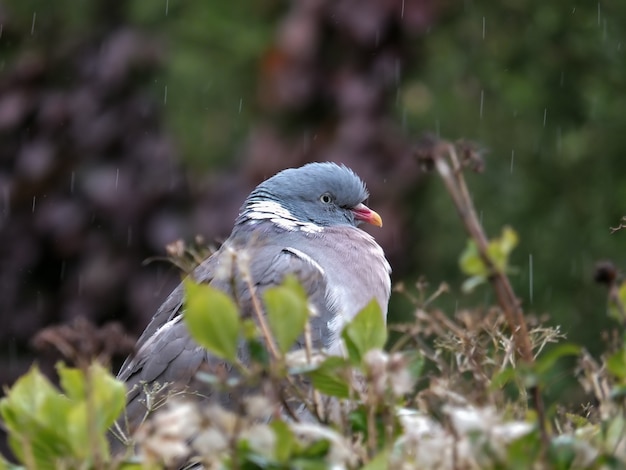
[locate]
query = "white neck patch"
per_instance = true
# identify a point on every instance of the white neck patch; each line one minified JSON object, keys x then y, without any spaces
{"x":274,"y":212}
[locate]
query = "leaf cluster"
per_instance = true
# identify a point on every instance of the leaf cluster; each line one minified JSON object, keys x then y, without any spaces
{"x":450,"y":392}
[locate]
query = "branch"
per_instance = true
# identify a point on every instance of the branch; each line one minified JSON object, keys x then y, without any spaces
{"x":443,"y":156}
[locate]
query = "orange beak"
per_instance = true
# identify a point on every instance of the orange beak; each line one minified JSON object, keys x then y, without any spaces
{"x":365,"y":214}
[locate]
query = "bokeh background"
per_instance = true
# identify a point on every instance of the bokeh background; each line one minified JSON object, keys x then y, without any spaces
{"x":125,"y":125}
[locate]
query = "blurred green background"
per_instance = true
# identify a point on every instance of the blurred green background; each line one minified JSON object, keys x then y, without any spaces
{"x":539,"y":85}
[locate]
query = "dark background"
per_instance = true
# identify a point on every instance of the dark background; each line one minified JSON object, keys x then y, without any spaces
{"x":125,"y":125}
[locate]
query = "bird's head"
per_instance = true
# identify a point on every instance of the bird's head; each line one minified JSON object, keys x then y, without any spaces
{"x":311,"y":197}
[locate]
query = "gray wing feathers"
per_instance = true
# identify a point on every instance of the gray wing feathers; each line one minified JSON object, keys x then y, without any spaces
{"x":165,"y":351}
{"x":172,"y":358}
{"x":169,"y":310}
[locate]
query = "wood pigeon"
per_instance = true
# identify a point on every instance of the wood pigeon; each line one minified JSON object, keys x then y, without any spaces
{"x":301,"y":222}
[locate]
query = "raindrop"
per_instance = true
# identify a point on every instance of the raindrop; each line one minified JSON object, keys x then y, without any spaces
{"x":34,"y":202}
{"x":240,"y":104}
{"x":512,"y":158}
{"x":402,"y":10}
{"x":32,"y":26}
{"x":117,"y":177}
{"x":598,"y":13}
{"x":482,"y":100}
{"x":484,"y":24}
{"x":167,"y":7}
{"x":1,"y":27}
{"x":545,"y":115}
{"x":165,"y":96}
{"x":72,"y":181}
{"x":530,"y":277}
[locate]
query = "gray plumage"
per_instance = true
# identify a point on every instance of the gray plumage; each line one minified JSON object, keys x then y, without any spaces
{"x":302,"y":222}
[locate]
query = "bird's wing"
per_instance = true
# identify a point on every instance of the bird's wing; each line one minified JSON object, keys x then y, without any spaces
{"x":167,"y":354}
{"x":170,"y":310}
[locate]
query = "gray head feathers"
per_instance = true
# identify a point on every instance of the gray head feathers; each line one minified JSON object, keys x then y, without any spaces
{"x":318,"y":194}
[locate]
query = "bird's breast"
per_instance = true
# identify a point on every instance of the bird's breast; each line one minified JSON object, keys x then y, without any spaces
{"x":356,"y":272}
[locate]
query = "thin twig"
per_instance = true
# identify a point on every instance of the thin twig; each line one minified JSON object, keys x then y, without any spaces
{"x":260,"y":316}
{"x":621,"y":226}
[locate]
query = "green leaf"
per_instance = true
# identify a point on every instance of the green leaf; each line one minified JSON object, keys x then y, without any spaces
{"x":523,"y":452}
{"x":258,"y":352}
{"x":319,"y":448}
{"x":287,"y":312}
{"x":380,"y":462}
{"x":366,"y":331}
{"x":72,"y":382}
{"x":616,"y":364}
{"x":562,"y":452}
{"x":358,"y":420}
{"x":249,"y":329}
{"x":577,"y":420}
{"x":498,"y":251}
{"x":285,"y":441}
{"x":415,"y":363}
{"x":98,"y":385}
{"x":616,"y":305}
{"x":471,"y":262}
{"x":618,"y":392}
{"x":313,"y":463}
{"x":98,"y":400}
{"x":109,"y":396}
{"x":77,"y":429}
{"x":614,"y":431}
{"x":131,"y":466}
{"x":609,"y":462}
{"x":45,"y":425}
{"x":503,"y":377}
{"x":329,"y":378}
{"x":35,"y":415}
{"x":545,"y":362}
{"x":212,"y":319}
{"x":509,"y":240}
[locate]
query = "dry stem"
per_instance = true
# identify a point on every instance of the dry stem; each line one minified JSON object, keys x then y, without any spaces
{"x":436,"y":152}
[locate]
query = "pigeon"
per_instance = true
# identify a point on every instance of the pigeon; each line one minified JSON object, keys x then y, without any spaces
{"x":302,"y":222}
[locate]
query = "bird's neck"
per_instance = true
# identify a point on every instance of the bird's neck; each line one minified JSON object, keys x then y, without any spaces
{"x":255,"y":211}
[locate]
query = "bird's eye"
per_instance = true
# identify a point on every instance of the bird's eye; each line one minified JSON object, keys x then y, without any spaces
{"x":326,"y":199}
